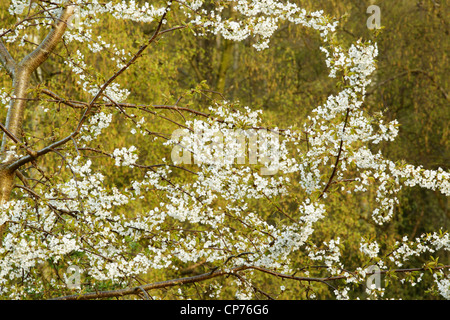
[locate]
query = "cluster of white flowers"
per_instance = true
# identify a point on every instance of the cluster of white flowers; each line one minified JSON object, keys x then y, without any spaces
{"x":437,"y":180}
{"x":425,"y":243}
{"x":259,"y":19}
{"x":82,"y":218}
{"x":443,"y":285}
{"x":97,"y":123}
{"x":371,"y":249}
{"x":18,"y":6}
{"x":4,"y":98}
{"x":78,"y":66}
{"x":330,"y":254}
{"x":125,"y":156}
{"x":11,"y":153}
{"x":342,"y":294}
{"x":235,"y":140}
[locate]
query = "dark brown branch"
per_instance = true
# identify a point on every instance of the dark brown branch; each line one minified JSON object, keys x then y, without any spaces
{"x":156,"y":285}
{"x":215,"y":274}
{"x":73,"y":104}
{"x":330,"y":180}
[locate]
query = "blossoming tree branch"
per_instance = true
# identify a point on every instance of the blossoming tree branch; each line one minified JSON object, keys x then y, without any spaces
{"x":176,"y":223}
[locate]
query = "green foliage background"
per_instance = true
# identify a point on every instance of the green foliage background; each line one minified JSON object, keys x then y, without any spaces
{"x":287,"y":81}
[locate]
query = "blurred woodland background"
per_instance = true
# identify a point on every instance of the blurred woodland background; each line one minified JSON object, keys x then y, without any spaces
{"x":287,"y":81}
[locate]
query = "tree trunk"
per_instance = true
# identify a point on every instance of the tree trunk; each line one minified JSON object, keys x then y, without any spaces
{"x":20,"y":74}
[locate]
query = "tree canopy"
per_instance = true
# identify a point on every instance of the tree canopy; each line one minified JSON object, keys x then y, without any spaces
{"x":223,"y":149}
